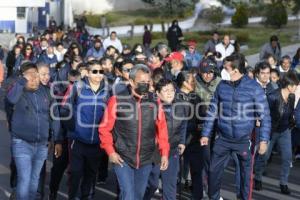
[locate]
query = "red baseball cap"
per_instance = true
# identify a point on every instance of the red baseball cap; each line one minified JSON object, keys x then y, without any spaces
{"x":192,"y":43}
{"x":174,"y":56}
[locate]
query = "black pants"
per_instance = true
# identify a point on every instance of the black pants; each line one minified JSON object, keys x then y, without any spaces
{"x":195,"y":152}
{"x":59,"y":166}
{"x":84,"y":163}
{"x":103,"y":166}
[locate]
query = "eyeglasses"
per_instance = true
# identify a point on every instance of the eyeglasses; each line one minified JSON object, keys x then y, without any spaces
{"x":95,"y":71}
{"x":126,"y":70}
{"x":29,"y":49}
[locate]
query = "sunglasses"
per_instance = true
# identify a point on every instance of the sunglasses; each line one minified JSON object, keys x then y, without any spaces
{"x":95,"y":71}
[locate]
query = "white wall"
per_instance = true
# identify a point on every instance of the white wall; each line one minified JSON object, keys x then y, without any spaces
{"x":8,"y":13}
{"x":21,"y":24}
{"x":22,"y":3}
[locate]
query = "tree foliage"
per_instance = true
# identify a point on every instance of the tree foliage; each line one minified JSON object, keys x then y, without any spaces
{"x":276,"y":14}
{"x":240,"y":18}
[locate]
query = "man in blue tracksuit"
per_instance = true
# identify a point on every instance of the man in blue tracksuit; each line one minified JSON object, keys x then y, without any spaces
{"x":85,"y":103}
{"x":238,"y":101}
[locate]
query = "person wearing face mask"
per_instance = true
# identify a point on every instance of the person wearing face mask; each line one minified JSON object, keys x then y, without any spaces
{"x":59,"y":51}
{"x":237,"y":103}
{"x":130,"y":128}
{"x":31,"y":127}
{"x":85,"y":103}
{"x":281,"y":103}
{"x":97,"y":51}
{"x":49,"y":57}
{"x":176,"y":115}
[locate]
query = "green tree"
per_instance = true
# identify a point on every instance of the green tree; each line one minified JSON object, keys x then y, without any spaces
{"x":240,"y":18}
{"x":214,"y":15}
{"x":276,"y":14}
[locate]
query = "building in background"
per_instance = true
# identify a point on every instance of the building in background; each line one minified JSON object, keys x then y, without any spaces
{"x":21,"y":16}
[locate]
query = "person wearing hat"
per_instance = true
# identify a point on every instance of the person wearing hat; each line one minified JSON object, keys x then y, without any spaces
{"x":206,"y":84}
{"x":176,"y":65}
{"x":193,"y":57}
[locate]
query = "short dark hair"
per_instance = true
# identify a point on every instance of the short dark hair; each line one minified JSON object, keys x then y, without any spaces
{"x":74,"y":73}
{"x":91,"y":63}
{"x":290,"y":78}
{"x":162,"y":83}
{"x":27,"y":66}
{"x":261,"y":66}
{"x":104,"y":59}
{"x":238,"y":62}
{"x":182,"y":77}
{"x":276,"y":71}
{"x":274,"y":38}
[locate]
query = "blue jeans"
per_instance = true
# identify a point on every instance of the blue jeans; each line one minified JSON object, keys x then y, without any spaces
{"x":132,"y":182}
{"x":168,"y":177}
{"x":284,"y":143}
{"x":29,"y":159}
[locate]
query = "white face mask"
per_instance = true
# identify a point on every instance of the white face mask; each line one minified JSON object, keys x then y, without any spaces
{"x":225,"y":75}
{"x":50,"y":55}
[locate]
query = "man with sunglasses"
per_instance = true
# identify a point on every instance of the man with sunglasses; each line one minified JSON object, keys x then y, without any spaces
{"x":85,"y":104}
{"x":122,"y":82}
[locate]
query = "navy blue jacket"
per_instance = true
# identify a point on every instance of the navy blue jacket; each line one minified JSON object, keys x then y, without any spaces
{"x":297,"y":115}
{"x":236,"y":106}
{"x":34,"y":114}
{"x":86,"y":108}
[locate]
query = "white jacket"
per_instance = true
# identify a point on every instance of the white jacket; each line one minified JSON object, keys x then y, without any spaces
{"x":115,"y":43}
{"x":224,"y":51}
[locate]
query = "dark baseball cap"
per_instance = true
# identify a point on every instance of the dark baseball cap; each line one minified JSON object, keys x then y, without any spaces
{"x":207,"y":65}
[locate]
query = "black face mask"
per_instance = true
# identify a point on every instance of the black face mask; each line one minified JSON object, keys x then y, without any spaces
{"x":142,"y":88}
{"x":97,"y":48}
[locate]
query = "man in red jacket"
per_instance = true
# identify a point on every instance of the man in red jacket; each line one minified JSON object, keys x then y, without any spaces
{"x":130,"y":129}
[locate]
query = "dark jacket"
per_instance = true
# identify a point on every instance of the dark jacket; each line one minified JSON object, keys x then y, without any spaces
{"x":132,"y":126}
{"x":86,"y":108}
{"x":34,"y":113}
{"x":173,"y":35}
{"x":236,"y":106}
{"x":176,"y":117}
{"x":197,"y":112}
{"x":276,"y":104}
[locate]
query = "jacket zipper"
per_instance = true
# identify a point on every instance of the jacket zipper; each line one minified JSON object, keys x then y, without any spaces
{"x":38,"y":121}
{"x":233,"y":134}
{"x":95,"y":109}
{"x":139,"y":135}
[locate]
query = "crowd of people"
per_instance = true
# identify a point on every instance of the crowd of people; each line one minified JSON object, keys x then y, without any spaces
{"x":156,"y":112}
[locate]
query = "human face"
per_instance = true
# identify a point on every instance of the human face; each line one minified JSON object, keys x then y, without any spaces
{"x":33,"y":80}
{"x":167,"y":93}
{"x":17,"y":51}
{"x":191,"y":49}
{"x":163,"y":52}
{"x":264,"y":76}
{"x":286,"y":64}
{"x":141,"y":77}
{"x":271,"y":61}
{"x":113,"y":36}
{"x":126,"y":70}
{"x":215,"y":37}
{"x":28,"y":50}
{"x":226,"y":40}
{"x":154,"y":59}
{"x":107,"y":66}
{"x":60,"y":48}
{"x":207,"y":77}
{"x":274,"y":77}
{"x":44,"y":75}
{"x":274,"y":44}
{"x":190,"y":84}
{"x":292,"y":88}
{"x":96,"y":74}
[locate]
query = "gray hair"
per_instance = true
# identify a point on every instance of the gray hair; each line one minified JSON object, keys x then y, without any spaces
{"x":136,"y":69}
